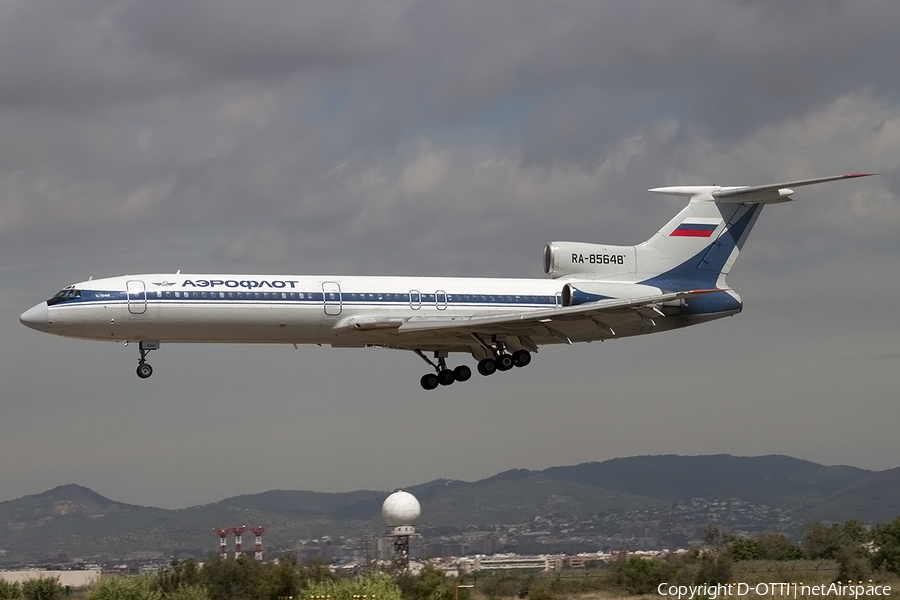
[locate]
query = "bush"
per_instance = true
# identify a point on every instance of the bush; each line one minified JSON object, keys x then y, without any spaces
{"x":378,"y":585}
{"x":430,"y":583}
{"x":777,"y":546}
{"x":282,"y":580}
{"x":125,"y":588}
{"x":8,"y":590}
{"x":179,"y":574}
{"x":641,"y":575}
{"x":745,"y":549}
{"x":852,"y":565}
{"x":715,"y":567}
{"x":886,"y":538}
{"x":500,"y":585}
{"x":42,"y":588}
{"x":189,"y":592}
{"x":238,"y":579}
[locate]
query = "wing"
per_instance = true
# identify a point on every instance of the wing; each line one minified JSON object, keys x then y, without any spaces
{"x":558,"y":323}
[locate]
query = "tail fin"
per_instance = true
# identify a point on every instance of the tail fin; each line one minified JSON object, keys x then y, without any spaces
{"x":698,"y":247}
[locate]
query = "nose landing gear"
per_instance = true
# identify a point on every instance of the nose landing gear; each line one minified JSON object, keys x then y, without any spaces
{"x":144,"y":370}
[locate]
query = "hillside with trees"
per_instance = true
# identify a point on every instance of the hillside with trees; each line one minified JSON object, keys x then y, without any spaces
{"x":81,"y":522}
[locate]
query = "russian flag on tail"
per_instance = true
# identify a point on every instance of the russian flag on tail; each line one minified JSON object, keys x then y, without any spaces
{"x":702,"y":228}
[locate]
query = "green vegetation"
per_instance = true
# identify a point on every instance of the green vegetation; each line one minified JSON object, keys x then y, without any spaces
{"x":827,"y":553}
{"x":8,"y":591}
{"x":42,"y":588}
{"x":376,"y":585}
{"x":886,"y":539}
{"x":125,"y":588}
{"x":429,"y":584}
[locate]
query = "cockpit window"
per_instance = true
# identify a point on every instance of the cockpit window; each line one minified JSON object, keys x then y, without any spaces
{"x":64,"y":296}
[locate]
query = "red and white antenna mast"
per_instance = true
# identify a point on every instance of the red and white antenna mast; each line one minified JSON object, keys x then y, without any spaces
{"x":258,"y":532}
{"x":223,"y":544}
{"x":238,"y":532}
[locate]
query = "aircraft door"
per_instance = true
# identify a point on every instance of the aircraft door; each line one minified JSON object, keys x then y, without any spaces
{"x":415,"y":299}
{"x":137,"y":297}
{"x":440,"y":300}
{"x":331,"y":298}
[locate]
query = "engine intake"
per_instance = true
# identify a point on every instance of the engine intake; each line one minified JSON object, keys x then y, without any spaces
{"x":592,"y":260}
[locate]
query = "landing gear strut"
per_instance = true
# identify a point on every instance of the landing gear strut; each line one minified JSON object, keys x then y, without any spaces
{"x":144,"y":370}
{"x":442,"y":375}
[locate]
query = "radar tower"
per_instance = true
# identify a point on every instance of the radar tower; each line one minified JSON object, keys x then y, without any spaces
{"x":400,"y":512}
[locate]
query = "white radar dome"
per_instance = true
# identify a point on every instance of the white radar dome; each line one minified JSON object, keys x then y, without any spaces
{"x":400,"y":509}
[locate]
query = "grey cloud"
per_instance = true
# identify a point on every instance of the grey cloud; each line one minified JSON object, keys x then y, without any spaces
{"x":264,"y":40}
{"x":408,"y":137}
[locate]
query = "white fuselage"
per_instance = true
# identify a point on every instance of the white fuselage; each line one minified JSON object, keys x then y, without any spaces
{"x":346,"y":311}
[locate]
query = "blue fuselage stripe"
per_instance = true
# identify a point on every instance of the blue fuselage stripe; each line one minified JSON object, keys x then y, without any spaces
{"x":400,"y":300}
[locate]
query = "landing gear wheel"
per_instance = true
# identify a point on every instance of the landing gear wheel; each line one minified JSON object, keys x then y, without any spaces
{"x":429,"y":381}
{"x":504,"y":362}
{"x":462,"y":373}
{"x":446,"y":377}
{"x":521,"y":358}
{"x":144,"y":370}
{"x":487,"y":366}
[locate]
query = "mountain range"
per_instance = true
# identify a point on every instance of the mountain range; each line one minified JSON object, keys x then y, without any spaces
{"x":81,"y":522}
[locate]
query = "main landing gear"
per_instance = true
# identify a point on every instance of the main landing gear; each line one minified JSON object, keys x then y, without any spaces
{"x":442,"y":375}
{"x":503,"y":361}
{"x":144,"y":370}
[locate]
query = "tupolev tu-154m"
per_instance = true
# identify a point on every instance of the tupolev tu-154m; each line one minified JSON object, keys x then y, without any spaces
{"x":594,"y":292}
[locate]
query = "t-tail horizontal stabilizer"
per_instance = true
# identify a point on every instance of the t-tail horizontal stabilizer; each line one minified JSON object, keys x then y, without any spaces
{"x":756,"y":194}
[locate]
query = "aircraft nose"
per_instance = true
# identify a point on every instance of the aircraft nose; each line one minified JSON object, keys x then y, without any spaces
{"x":36,"y":317}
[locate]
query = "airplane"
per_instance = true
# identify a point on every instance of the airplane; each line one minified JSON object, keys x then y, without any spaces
{"x":595,"y":292}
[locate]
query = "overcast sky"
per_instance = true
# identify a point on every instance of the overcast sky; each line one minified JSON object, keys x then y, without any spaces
{"x":396,"y":137}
